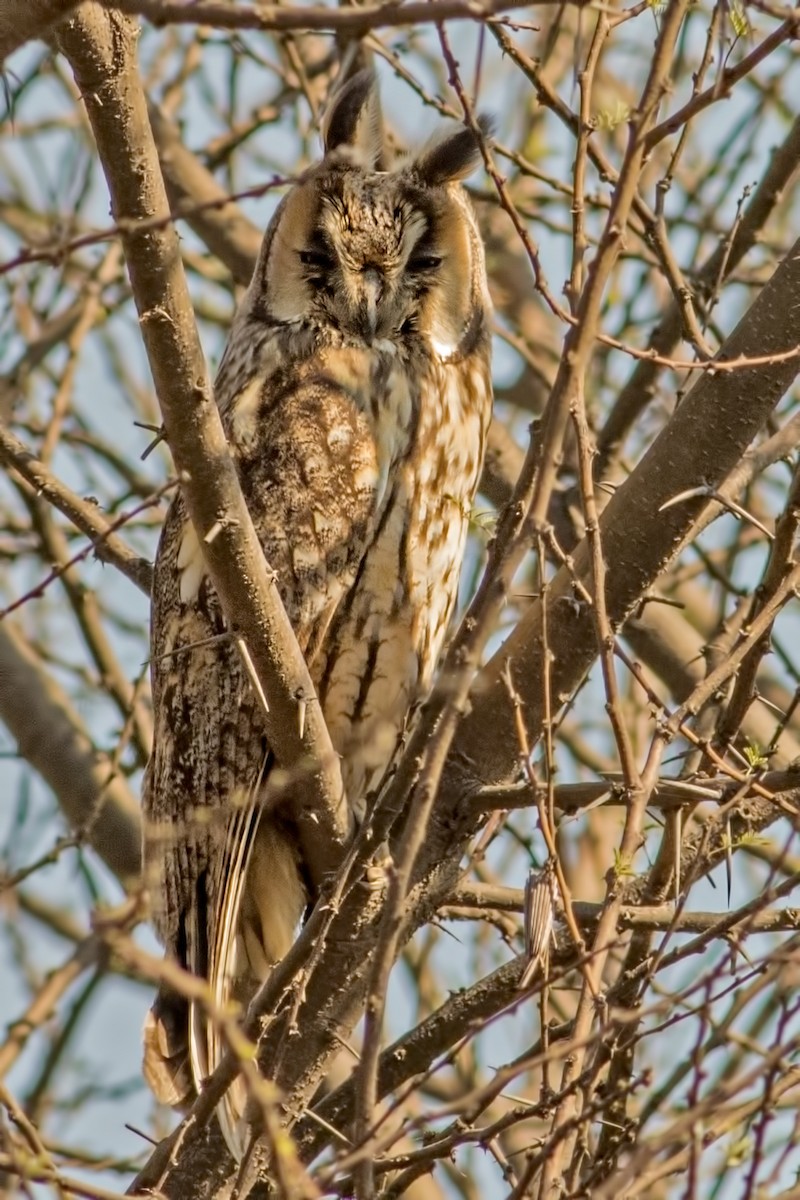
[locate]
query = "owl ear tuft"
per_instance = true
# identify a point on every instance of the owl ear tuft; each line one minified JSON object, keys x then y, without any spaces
{"x":451,"y":156}
{"x":352,"y":123}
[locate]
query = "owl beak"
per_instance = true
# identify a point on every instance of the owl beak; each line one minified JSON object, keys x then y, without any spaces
{"x":370,"y":292}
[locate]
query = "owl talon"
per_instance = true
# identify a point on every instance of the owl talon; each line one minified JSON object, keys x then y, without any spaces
{"x":376,"y":876}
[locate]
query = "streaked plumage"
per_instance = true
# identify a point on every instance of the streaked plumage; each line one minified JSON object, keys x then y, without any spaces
{"x":355,"y":393}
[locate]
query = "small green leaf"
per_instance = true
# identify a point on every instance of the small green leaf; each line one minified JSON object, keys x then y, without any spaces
{"x":611,"y":118}
{"x":483,"y":519}
{"x":738,"y":1152}
{"x":755,"y":756}
{"x":739,"y":21}
{"x":750,"y":839}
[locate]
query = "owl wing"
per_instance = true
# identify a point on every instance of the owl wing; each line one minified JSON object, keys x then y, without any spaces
{"x":199,"y":792}
{"x":225,"y":876}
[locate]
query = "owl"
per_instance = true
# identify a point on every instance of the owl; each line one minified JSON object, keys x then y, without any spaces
{"x":355,"y":393}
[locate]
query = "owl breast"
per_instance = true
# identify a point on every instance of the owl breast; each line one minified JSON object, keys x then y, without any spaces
{"x":388,"y":632}
{"x":359,"y":463}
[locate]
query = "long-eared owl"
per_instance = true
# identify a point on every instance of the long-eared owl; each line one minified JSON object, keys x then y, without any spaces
{"x":355,"y":393}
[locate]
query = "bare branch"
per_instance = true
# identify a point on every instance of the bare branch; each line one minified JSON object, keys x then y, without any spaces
{"x":50,"y":735}
{"x":19,"y":23}
{"x":106,"y":545}
{"x":352,"y":21}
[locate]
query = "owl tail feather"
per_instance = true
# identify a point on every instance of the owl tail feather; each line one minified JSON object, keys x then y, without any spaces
{"x":261,"y":901}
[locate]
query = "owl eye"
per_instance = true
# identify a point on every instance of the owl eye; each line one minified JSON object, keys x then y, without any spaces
{"x":318,"y":260}
{"x":424,"y":262}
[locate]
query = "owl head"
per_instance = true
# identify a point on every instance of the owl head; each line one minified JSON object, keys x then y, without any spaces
{"x":376,"y":255}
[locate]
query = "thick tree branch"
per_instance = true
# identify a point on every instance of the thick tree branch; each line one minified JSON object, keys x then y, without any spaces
{"x":21,"y":22}
{"x":101,"y":49}
{"x":413,"y":1053}
{"x":706,"y":437}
